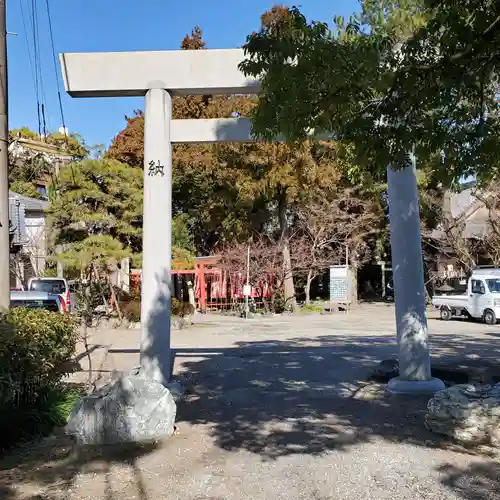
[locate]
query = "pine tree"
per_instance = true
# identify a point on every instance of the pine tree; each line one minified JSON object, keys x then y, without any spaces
{"x":96,"y":214}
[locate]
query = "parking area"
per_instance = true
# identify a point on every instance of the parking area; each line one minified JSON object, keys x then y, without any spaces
{"x":119,"y":349}
{"x":279,"y":408}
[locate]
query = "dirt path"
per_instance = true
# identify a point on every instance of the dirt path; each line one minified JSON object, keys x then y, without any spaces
{"x":278,"y":409}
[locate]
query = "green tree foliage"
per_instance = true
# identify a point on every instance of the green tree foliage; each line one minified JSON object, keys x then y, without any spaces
{"x":33,"y":167}
{"x":446,"y":85}
{"x":426,"y":69}
{"x":25,"y":188}
{"x":26,"y":171}
{"x":73,"y":144}
{"x":96,"y":213}
{"x":181,"y":234}
{"x":232,"y":189}
{"x":96,"y":210}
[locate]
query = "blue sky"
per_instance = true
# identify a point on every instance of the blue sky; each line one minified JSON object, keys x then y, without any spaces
{"x":106,"y":25}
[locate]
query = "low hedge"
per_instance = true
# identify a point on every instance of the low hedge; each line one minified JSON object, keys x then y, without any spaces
{"x":131,"y":311}
{"x":131,"y":308}
{"x":35,"y":346}
{"x":181,"y":308}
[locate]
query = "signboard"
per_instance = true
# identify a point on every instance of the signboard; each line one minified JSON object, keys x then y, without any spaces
{"x":247,"y":290}
{"x":339,"y":289}
{"x":339,"y":272}
{"x":339,"y":284}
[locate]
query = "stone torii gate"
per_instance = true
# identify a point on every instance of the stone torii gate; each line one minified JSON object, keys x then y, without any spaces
{"x":159,"y":75}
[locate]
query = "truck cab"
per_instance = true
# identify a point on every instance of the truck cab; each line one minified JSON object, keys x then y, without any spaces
{"x":481,"y":301}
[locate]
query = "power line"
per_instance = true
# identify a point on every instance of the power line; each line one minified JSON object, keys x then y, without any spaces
{"x":56,"y":72}
{"x":28,"y":45}
{"x":32,"y":13}
{"x":42,"y":85}
{"x":40,"y":70}
{"x":41,"y":96}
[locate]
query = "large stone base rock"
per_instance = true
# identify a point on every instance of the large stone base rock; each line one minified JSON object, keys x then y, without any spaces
{"x":130,"y":409}
{"x":468,"y":413}
{"x":399,"y":386}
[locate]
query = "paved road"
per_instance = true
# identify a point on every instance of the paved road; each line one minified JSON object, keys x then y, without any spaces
{"x":278,"y":410}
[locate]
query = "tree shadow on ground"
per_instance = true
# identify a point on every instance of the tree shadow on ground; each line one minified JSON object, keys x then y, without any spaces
{"x":308,"y":395}
{"x":479,"y":481}
{"x":273,"y":398}
{"x":53,"y":464}
{"x":47,"y":470}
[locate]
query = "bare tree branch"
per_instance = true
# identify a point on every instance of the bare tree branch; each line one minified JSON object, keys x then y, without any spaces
{"x":346,"y":220}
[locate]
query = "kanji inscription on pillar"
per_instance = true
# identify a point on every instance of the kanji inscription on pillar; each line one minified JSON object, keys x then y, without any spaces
{"x":156,"y":169}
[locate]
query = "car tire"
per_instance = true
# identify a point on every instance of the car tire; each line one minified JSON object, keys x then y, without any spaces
{"x":489,"y":317}
{"x":446,"y":314}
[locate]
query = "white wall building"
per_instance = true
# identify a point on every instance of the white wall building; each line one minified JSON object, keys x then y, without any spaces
{"x":28,"y":219}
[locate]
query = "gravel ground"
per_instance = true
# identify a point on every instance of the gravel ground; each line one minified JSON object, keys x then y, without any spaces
{"x":278,"y":409}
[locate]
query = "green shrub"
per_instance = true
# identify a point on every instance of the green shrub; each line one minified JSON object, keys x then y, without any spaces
{"x":131,"y":310}
{"x":38,"y":417}
{"x":34,"y":344}
{"x":181,"y":308}
{"x":35,"y":348}
{"x":312,"y":308}
{"x":279,"y":304}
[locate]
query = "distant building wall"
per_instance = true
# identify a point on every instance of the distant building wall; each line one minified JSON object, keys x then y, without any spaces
{"x":28,"y":218}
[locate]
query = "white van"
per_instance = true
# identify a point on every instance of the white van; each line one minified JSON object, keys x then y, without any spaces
{"x":481,"y":301}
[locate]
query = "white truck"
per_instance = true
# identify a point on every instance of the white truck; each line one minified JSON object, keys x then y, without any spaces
{"x":481,"y":301}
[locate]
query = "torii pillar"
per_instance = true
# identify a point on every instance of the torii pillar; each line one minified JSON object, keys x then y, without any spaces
{"x":160,"y":75}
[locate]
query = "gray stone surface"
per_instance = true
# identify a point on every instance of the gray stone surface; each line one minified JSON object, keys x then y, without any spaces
{"x":130,"y":409}
{"x":468,"y":413}
{"x":399,"y":385}
{"x":181,"y":323}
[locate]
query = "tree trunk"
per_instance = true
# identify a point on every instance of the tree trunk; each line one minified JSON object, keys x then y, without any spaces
{"x":98,"y":281}
{"x":265,"y":303}
{"x":354,"y":284}
{"x":288,"y":288}
{"x":114,"y":300}
{"x":272,"y":301}
{"x":307,"y":288}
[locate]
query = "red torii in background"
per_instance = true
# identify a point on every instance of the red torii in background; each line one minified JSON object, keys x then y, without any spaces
{"x":211,"y":282}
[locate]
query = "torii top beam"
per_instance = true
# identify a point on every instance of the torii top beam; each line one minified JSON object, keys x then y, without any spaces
{"x":132,"y":74}
{"x":181,"y":72}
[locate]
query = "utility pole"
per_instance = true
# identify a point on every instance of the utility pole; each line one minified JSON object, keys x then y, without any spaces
{"x":4,"y":166}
